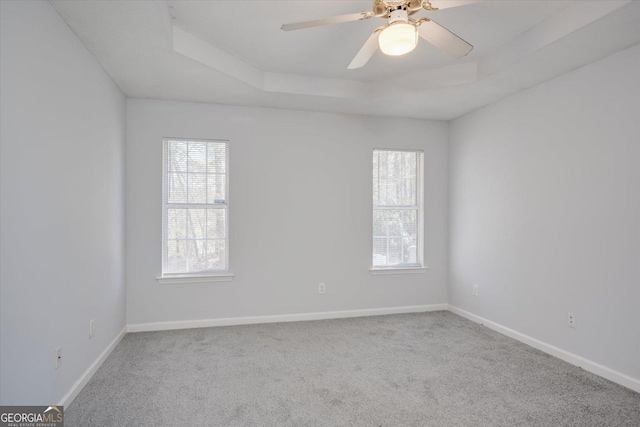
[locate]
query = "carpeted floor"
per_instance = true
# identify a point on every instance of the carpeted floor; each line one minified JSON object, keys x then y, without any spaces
{"x":429,"y":369}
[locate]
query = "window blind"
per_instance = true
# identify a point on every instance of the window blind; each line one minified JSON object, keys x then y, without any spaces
{"x":195,"y":207}
{"x":397,"y":209}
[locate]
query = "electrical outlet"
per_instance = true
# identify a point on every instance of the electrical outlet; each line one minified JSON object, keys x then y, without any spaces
{"x":58,"y":357}
{"x":91,"y":327}
{"x":571,"y":320}
{"x":321,"y":288}
{"x":475,"y":290}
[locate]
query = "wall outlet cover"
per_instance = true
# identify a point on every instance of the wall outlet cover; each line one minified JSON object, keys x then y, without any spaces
{"x":571,"y":320}
{"x":58,"y":357}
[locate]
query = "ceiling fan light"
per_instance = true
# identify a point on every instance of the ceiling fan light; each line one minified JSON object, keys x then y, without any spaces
{"x":398,"y":39}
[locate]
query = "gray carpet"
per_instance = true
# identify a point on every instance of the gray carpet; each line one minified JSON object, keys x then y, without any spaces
{"x":430,"y":369}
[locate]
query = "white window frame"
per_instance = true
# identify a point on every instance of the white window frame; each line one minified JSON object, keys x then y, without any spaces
{"x":196,"y":277}
{"x":419,"y":266}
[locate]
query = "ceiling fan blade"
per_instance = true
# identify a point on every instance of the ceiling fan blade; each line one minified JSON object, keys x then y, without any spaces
{"x":443,"y":39}
{"x":366,"y":52}
{"x":446,"y":4}
{"x":326,"y":21}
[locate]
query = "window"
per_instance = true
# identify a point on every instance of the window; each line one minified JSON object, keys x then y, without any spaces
{"x":195,"y":208}
{"x":397,"y":209}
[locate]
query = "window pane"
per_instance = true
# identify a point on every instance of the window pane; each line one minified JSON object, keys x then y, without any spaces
{"x":376,"y":177}
{"x":176,"y":256}
{"x":379,"y":251}
{"x":216,"y":188}
{"x":216,"y":219}
{"x":216,"y":254}
{"x":176,"y":223}
{"x":197,"y":156}
{"x":197,"y":187}
{"x":197,"y":223}
{"x":394,"y":222}
{"x":196,"y":255}
{"x":395,"y":237}
{"x":395,"y":178}
{"x":177,"y":156}
{"x":217,"y":157}
{"x":177,"y":187}
{"x":407,"y":184}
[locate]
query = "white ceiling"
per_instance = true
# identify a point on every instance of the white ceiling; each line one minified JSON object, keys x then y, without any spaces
{"x":233,"y":52}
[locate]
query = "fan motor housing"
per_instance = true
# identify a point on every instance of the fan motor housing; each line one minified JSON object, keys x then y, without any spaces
{"x":384,"y":8}
{"x":398,"y":15}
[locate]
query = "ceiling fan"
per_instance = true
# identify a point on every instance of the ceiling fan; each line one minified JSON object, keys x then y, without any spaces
{"x":400,"y":34}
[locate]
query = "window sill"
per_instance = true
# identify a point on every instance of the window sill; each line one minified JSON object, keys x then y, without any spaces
{"x":184,"y":280}
{"x":399,"y":270}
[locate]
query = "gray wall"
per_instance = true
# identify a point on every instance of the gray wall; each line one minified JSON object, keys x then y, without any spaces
{"x":300,"y":212}
{"x":62,"y":136}
{"x":545,"y":212}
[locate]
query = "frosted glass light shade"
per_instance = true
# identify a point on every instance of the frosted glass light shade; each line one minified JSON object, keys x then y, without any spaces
{"x":398,"y":39}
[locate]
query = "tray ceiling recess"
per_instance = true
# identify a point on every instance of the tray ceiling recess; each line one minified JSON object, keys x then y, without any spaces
{"x":236,"y":52}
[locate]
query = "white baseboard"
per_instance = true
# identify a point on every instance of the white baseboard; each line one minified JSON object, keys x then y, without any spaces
{"x":88,"y":374}
{"x":206,"y":323}
{"x":574,"y":359}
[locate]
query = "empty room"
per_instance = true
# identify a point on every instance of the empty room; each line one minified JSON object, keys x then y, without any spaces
{"x":319,"y":213}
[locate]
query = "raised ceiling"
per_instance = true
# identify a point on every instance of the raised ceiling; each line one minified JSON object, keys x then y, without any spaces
{"x":233,"y":52}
